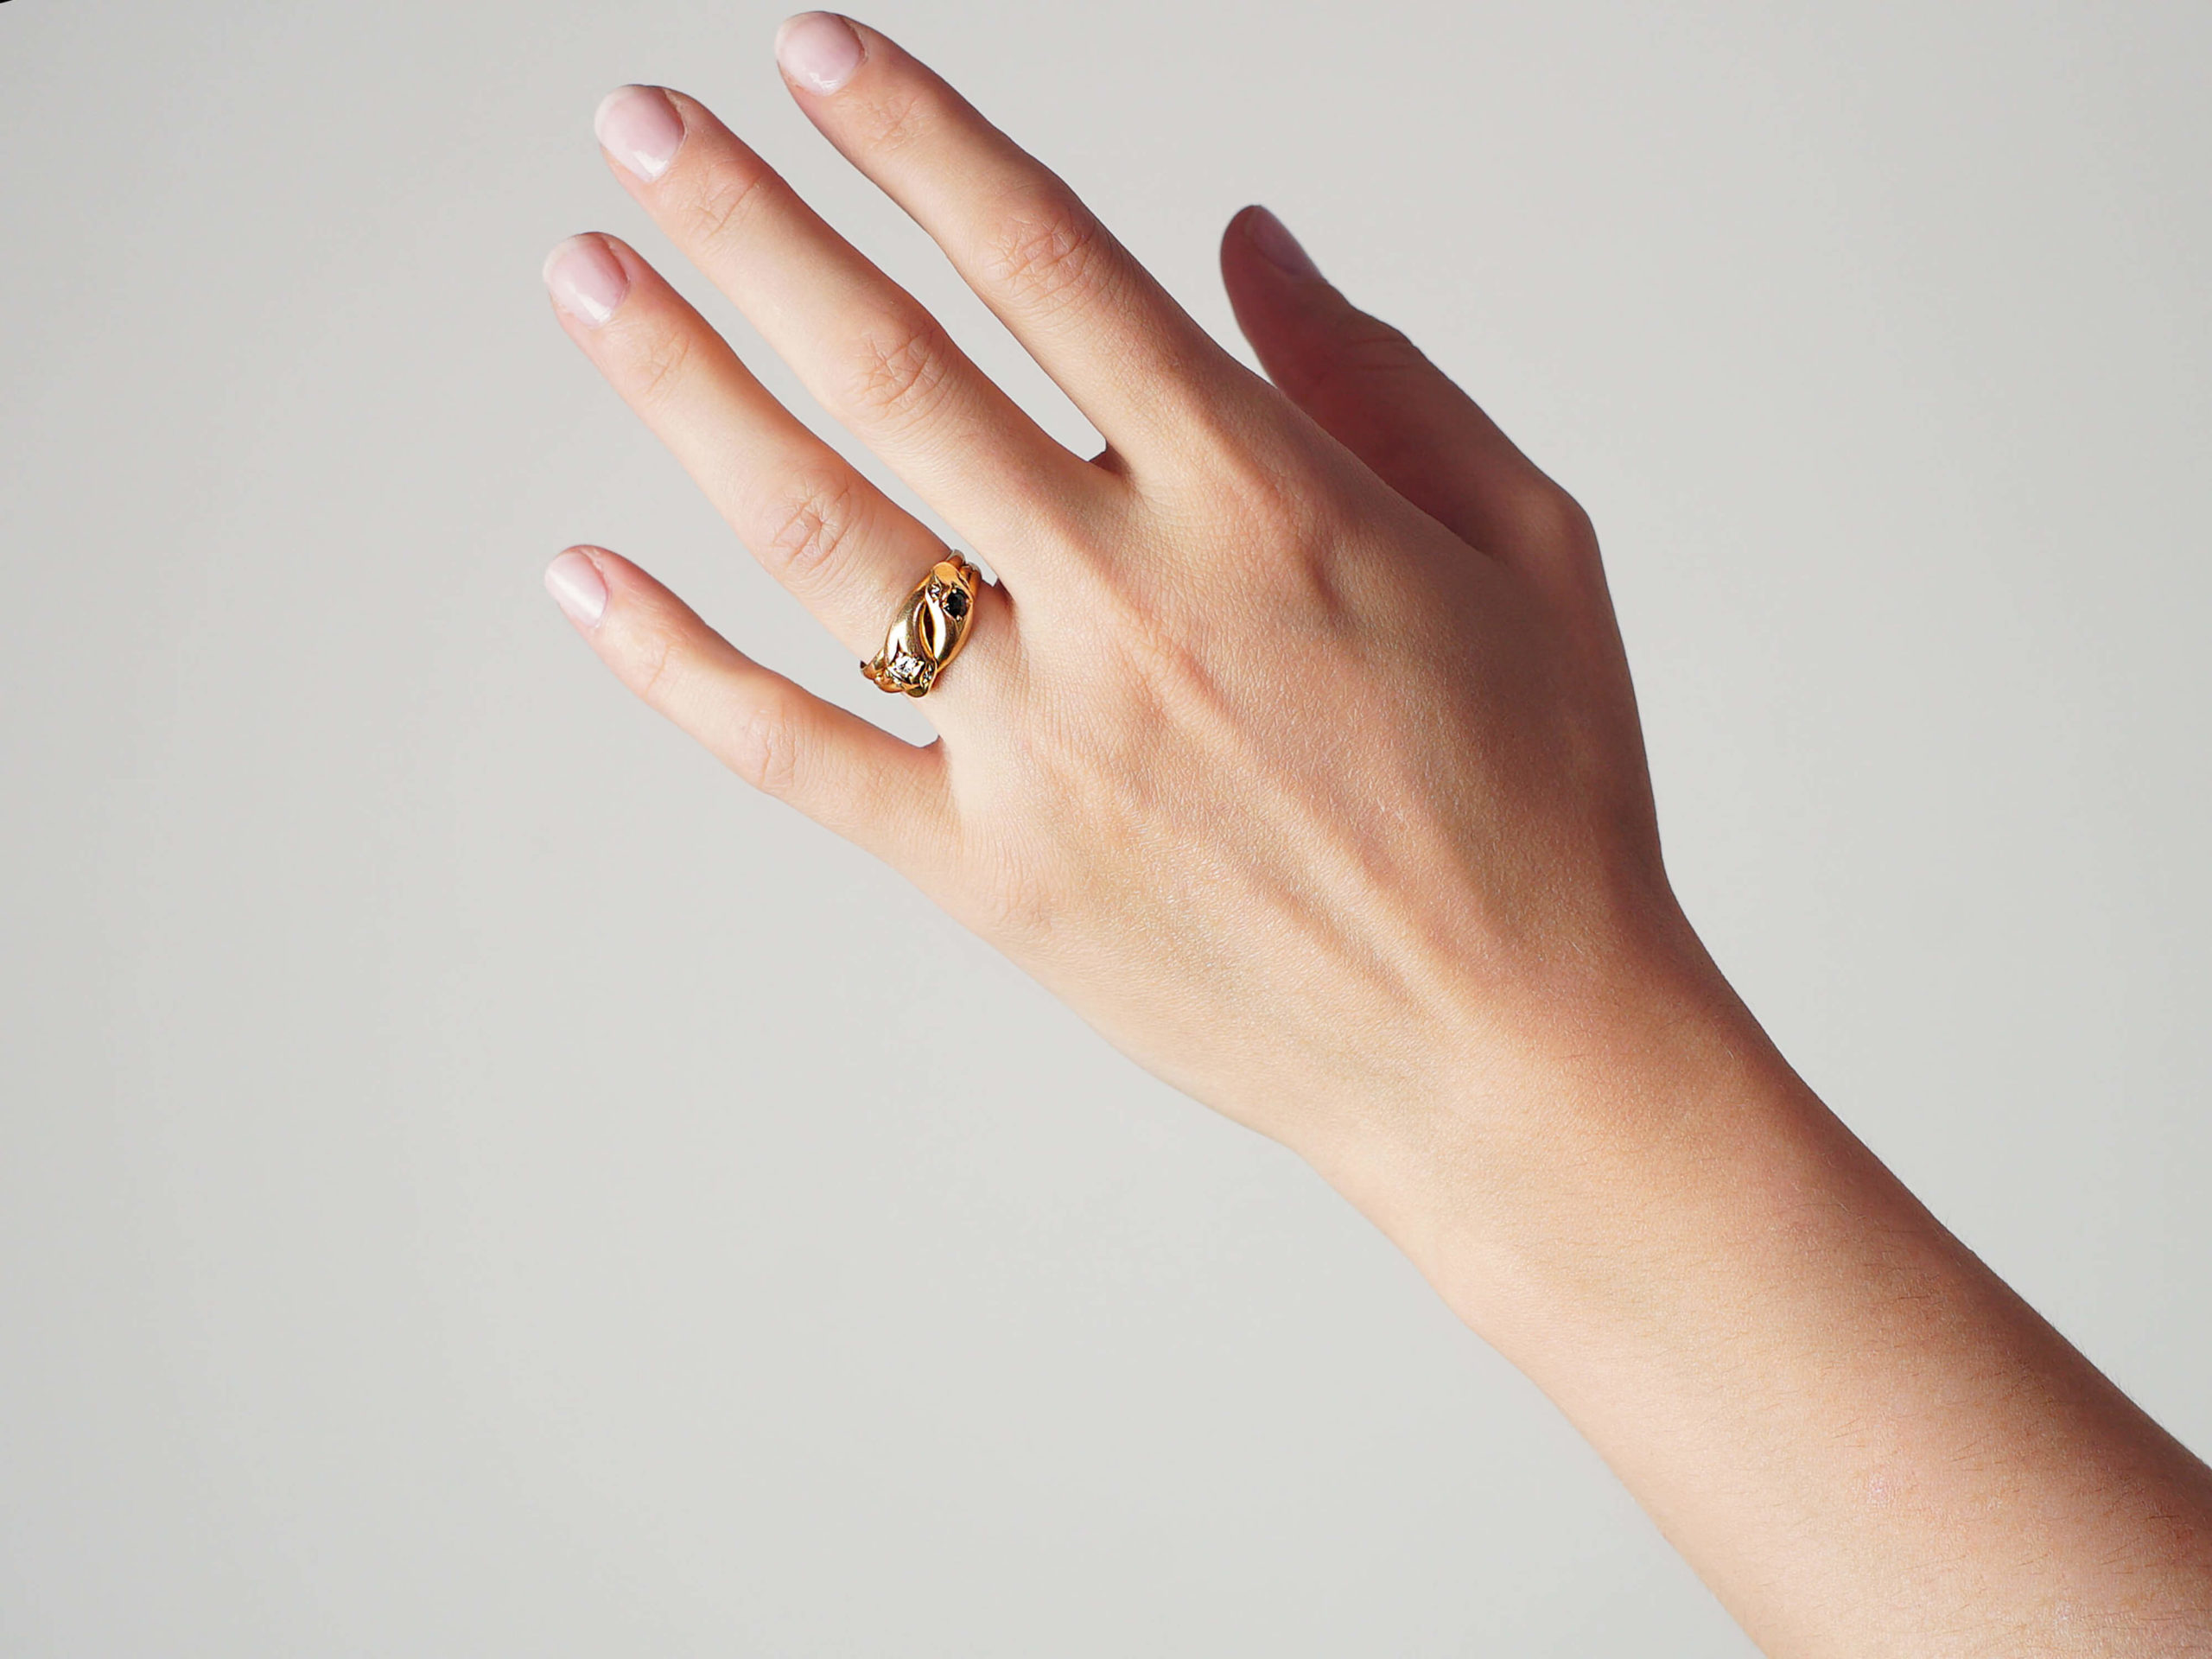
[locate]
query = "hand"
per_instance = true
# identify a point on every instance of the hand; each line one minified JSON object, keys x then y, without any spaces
{"x":1295,"y":748}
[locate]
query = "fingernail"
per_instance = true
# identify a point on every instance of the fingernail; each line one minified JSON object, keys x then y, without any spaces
{"x":638,"y":127}
{"x":577,"y":588}
{"x":1272,"y":238}
{"x":818,"y":49}
{"x":587,"y":281}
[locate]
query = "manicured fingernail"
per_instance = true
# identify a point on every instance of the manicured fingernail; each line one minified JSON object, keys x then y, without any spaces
{"x":577,"y":588}
{"x":638,"y":127}
{"x":1280,"y":247}
{"x":819,"y":50}
{"x":587,"y":281}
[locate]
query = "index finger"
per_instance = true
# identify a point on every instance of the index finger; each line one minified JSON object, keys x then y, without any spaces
{"x":1131,"y":358}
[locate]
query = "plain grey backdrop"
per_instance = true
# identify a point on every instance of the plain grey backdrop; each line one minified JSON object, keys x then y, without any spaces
{"x":452,"y":1200}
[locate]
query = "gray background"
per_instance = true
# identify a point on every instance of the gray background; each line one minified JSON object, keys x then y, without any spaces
{"x":449,"y":1203}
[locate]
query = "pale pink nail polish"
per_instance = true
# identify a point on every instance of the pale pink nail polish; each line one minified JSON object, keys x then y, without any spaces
{"x":638,"y":127}
{"x":587,"y":281}
{"x":819,"y":50}
{"x":1274,"y":239}
{"x":577,"y":588}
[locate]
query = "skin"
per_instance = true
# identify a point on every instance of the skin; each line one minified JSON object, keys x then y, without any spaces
{"x":1296,"y":749}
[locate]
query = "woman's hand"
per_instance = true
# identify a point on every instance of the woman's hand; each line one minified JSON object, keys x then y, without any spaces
{"x":1295,"y":750}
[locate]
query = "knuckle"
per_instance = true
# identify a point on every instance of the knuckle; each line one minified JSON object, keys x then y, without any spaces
{"x":1377,"y":344}
{"x":1364,"y":350}
{"x":1048,"y":251}
{"x":654,"y":669}
{"x":764,"y":750}
{"x":818,"y":514}
{"x":717,"y":210}
{"x":664,"y":363}
{"x":896,"y":118}
{"x":902,"y":369}
{"x":1255,"y":487}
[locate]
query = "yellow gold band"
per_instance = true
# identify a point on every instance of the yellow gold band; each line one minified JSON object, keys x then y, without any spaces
{"x":929,"y":630}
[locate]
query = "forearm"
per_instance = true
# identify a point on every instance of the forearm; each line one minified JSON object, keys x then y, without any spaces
{"x":1862,"y":1440}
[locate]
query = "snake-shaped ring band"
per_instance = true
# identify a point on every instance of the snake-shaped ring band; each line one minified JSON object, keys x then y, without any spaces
{"x":929,"y":630}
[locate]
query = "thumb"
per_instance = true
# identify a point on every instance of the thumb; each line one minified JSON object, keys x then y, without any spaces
{"x":1369,"y":388}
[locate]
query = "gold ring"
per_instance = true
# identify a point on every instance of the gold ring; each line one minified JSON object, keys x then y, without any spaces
{"x":929,"y":630}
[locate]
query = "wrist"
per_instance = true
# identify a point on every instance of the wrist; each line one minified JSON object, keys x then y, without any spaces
{"x":1588,"y":1130}
{"x":1804,"y":1378}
